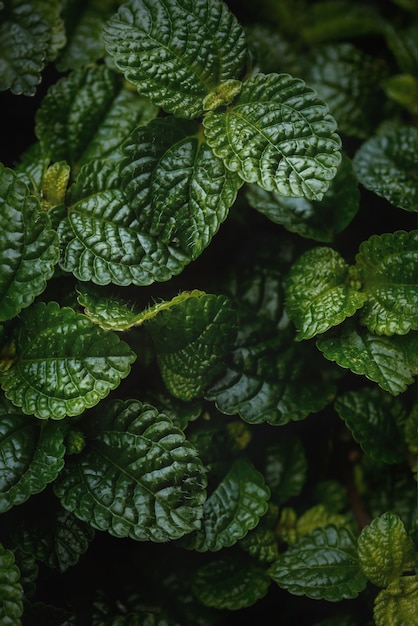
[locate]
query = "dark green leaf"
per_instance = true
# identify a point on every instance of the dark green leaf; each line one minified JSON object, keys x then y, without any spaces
{"x":339,"y":19}
{"x":11,"y":592}
{"x":285,"y":469}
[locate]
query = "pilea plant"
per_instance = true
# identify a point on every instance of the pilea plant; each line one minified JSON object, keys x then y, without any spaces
{"x":209,"y":313}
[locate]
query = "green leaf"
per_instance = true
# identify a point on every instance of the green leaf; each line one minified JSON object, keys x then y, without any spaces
{"x":192,"y":340}
{"x":138,"y":476}
{"x":279,"y":135}
{"x":101,"y":239}
{"x":319,"y":292}
{"x":387,"y":266}
{"x":232,"y":509}
{"x":31,"y":455}
{"x":285,"y":469}
{"x":180,"y":191}
{"x":261,"y":544}
{"x":321,"y":565}
{"x":339,"y":19}
{"x":387,"y":164}
{"x":385,"y":550}
{"x":28,"y":246}
{"x":319,"y":516}
{"x":375,"y":420}
{"x":230,"y":583}
{"x":177,"y":52}
{"x":64,"y":363}
{"x":11,"y":592}
{"x":398,"y":604}
{"x":391,"y":362}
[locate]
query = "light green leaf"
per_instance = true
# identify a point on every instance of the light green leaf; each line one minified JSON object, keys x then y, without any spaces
{"x":319,"y":292}
{"x":403,"y":89}
{"x":387,"y":164}
{"x":177,"y":52}
{"x":230,"y":583}
{"x":285,"y":469}
{"x":279,"y":135}
{"x":180,"y":191}
{"x":11,"y":591}
{"x":321,"y":565}
{"x":138,"y":476}
{"x":375,"y":420}
{"x":28,"y":246}
{"x":385,"y":550}
{"x":319,"y":516}
{"x":388,"y":269}
{"x":192,"y":340}
{"x":31,"y":455}
{"x":101,"y":239}
{"x":232,"y":509}
{"x":63,"y":362}
{"x":398,"y":604}
{"x":391,"y":362}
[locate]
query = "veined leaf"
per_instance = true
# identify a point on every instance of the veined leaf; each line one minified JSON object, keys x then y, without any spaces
{"x":397,"y":605}
{"x":387,"y":164}
{"x":180,"y":191}
{"x":279,"y":135}
{"x":385,"y":550}
{"x":101,"y":239}
{"x":321,"y":565}
{"x":11,"y":591}
{"x":177,"y":52}
{"x":391,"y":362}
{"x":232,"y":509}
{"x":138,"y":476}
{"x":63,"y":363}
{"x":31,"y":455}
{"x":319,"y":293}
{"x":388,"y":269}
{"x":28,"y":246}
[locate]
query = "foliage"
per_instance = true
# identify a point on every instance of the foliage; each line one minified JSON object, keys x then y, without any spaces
{"x":209,"y":313}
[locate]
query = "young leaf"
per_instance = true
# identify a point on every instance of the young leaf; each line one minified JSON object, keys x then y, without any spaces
{"x":391,"y":362}
{"x":279,"y":135}
{"x":177,"y":52}
{"x":319,"y":292}
{"x":63,"y":362}
{"x":385,"y":550}
{"x":388,"y":269}
{"x":321,"y":565}
{"x":387,"y":164}
{"x":398,"y":604}
{"x":138,"y":477}
{"x":180,"y":191}
{"x":11,"y":591}
{"x":28,"y":246}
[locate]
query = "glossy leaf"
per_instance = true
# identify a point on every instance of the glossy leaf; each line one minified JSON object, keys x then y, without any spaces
{"x":391,"y":362}
{"x":388,"y":269}
{"x":177,"y":52}
{"x":261,"y":544}
{"x":180,"y":191}
{"x":31,"y":455}
{"x":398,"y":604}
{"x":385,"y":550}
{"x":63,"y":363}
{"x":321,"y":565}
{"x":387,"y":163}
{"x":101,"y":239}
{"x":11,"y":591}
{"x":138,"y":477}
{"x":28,"y":246}
{"x":279,"y":135}
{"x":319,"y":292}
{"x":285,"y":469}
{"x":232,"y":509}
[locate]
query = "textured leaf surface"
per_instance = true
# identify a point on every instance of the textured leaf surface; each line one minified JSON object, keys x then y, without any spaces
{"x":232,"y":509}
{"x":28,"y":246}
{"x":398,"y":604}
{"x":138,"y":476}
{"x":180,"y":191}
{"x":64,"y":363}
{"x":11,"y":591}
{"x":277,"y":134}
{"x":375,"y":420}
{"x":31,"y":455}
{"x":388,"y":268}
{"x":319,"y":293}
{"x":101,"y":239}
{"x":176,"y":52}
{"x":321,"y":565}
{"x":391,"y":362}
{"x":388,"y":163}
{"x":385,"y":550}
